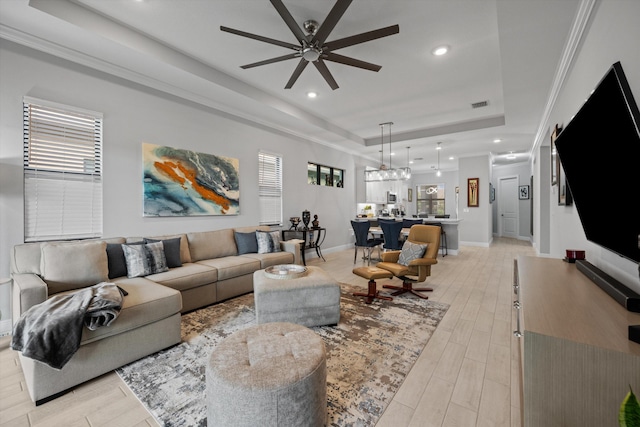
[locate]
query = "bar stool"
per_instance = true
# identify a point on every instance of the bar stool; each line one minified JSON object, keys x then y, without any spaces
{"x":443,"y":238}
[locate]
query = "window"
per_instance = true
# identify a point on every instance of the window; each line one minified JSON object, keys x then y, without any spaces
{"x":62,"y":164}
{"x":430,"y":199}
{"x":324,"y":175}
{"x":270,"y":188}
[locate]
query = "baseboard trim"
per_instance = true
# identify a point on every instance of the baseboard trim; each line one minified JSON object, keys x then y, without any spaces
{"x":5,"y":327}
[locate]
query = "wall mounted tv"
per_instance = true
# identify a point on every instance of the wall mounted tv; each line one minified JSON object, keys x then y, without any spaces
{"x":600,"y":153}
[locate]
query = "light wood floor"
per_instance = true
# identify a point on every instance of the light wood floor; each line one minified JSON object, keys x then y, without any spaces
{"x":467,"y":374}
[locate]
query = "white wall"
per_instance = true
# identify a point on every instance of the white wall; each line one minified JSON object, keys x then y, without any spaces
{"x":612,"y":36}
{"x":134,"y":114}
{"x":475,"y":228}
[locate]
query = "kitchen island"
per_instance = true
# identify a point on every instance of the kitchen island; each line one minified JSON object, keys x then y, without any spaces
{"x":449,"y":225}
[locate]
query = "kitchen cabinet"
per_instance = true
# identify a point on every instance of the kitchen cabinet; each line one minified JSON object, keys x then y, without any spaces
{"x":376,"y":192}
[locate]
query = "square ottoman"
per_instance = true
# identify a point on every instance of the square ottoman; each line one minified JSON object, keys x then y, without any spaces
{"x":310,"y":300}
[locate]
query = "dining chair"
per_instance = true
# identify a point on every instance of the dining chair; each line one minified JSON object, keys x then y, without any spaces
{"x":391,"y":231}
{"x":408,"y":222}
{"x":361,"y":231}
{"x":413,"y":266}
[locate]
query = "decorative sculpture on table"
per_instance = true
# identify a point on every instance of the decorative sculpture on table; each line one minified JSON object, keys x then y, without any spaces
{"x":315,"y":222}
{"x":295,"y":221}
{"x":306,"y":217}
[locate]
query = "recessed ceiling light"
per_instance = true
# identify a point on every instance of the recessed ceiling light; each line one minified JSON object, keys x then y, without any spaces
{"x":440,"y":50}
{"x":497,"y":140}
{"x":451,"y":157}
{"x":311,"y":94}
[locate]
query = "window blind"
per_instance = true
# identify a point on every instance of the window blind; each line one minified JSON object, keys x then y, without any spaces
{"x":270,"y":188}
{"x":62,"y":166}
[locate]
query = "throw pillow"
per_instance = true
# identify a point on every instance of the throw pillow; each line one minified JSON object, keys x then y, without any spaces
{"x":411,"y":251}
{"x":116,"y":260}
{"x":171,"y":250}
{"x":247,"y":243}
{"x":144,"y":259}
{"x":268,"y":241}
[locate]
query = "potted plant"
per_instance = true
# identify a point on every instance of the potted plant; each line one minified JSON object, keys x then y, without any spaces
{"x":629,"y":414}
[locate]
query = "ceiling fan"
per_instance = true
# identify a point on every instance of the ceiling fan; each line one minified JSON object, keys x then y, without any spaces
{"x":313,"y":47}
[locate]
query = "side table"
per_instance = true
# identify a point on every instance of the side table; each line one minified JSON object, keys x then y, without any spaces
{"x":312,"y":237}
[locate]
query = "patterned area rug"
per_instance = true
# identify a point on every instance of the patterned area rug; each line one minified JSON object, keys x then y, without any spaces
{"x":369,"y":354}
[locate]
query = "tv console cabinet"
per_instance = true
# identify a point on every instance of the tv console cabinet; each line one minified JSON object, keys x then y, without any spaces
{"x":576,"y":360}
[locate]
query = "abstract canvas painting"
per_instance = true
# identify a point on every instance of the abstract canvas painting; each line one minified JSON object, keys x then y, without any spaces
{"x":181,"y":182}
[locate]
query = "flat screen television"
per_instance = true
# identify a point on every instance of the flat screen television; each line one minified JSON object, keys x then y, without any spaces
{"x":599,"y":151}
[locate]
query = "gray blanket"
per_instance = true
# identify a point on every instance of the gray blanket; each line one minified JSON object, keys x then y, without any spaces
{"x":51,"y":331}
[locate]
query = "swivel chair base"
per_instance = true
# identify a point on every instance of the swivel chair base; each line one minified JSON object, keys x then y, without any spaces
{"x":407,"y":286}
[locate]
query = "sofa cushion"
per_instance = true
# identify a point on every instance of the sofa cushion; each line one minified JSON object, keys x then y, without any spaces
{"x":146,"y":302}
{"x":171,"y":250}
{"x":211,"y":244}
{"x":232,"y":266}
{"x":67,"y":266}
{"x":268,"y":241}
{"x":273,"y":258}
{"x":246,"y":242}
{"x":189,"y":275}
{"x":144,"y":259}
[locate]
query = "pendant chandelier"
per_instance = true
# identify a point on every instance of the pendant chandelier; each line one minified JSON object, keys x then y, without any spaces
{"x":384,"y":173}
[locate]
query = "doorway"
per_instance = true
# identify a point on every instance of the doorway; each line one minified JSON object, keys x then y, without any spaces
{"x":508,"y":207}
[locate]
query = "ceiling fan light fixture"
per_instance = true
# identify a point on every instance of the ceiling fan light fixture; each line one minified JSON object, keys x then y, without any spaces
{"x":311,"y":54}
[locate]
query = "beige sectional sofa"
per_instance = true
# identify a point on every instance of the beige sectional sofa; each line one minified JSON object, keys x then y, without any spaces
{"x":212,"y":270}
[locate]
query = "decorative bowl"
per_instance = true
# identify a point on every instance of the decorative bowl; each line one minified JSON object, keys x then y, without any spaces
{"x":285,"y":271}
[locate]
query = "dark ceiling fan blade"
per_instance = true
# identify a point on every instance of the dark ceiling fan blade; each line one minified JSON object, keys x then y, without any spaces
{"x":330,"y":22}
{"x":271,"y":61}
{"x":288,"y":19}
{"x":296,"y":73}
{"x":361,"y":38}
{"x":322,"y":67}
{"x":334,"y":57}
{"x":259,"y":38}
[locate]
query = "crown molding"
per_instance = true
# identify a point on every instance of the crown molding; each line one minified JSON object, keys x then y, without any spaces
{"x":574,"y":39}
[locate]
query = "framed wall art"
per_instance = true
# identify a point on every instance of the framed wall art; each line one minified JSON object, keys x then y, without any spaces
{"x":523,"y":192}
{"x":410,"y":195}
{"x":473,"y":192}
{"x":564,"y":193}
{"x":554,"y":155}
{"x":179,"y":182}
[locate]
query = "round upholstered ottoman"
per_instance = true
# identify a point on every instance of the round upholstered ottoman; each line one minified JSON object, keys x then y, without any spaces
{"x":273,"y":374}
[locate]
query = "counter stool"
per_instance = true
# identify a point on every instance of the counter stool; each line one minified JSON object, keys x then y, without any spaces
{"x":271,"y":375}
{"x":443,"y":238}
{"x":372,"y":273}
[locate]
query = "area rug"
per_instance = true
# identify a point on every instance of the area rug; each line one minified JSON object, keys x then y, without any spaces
{"x":369,"y":354}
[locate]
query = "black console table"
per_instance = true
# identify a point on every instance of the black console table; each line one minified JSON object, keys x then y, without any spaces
{"x":312,"y":237}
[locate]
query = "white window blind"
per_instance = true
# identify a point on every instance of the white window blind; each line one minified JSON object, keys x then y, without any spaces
{"x":62,"y":166}
{"x":270,"y":188}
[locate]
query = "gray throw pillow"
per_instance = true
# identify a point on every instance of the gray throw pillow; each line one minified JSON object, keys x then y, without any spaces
{"x":411,"y":251}
{"x":171,"y":251}
{"x":247,"y":243}
{"x":268,"y":241}
{"x":144,"y":259}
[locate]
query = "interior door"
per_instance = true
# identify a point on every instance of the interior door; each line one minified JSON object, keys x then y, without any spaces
{"x":508,"y":207}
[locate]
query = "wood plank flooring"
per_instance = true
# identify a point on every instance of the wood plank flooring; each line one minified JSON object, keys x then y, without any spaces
{"x":467,"y":375}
